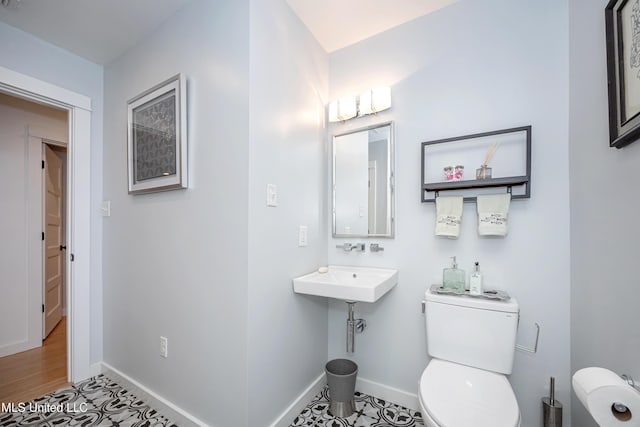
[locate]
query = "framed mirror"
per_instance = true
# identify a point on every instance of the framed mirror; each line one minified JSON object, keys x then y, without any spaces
{"x":363,"y":193}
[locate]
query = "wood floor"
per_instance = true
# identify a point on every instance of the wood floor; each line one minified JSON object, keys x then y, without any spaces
{"x":33,"y":373}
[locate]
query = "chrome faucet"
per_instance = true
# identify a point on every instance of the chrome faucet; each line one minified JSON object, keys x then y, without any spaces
{"x":348,"y":247}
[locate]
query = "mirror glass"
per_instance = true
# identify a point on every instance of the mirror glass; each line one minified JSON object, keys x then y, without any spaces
{"x":363,"y":182}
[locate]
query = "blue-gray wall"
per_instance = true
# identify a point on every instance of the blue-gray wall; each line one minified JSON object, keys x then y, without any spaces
{"x":471,"y":67}
{"x":604,"y":214}
{"x":287,"y":332}
{"x":175,"y":263}
{"x":210,"y":268}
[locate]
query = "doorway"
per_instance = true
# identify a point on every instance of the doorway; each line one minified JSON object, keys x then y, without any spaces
{"x":31,"y":269}
{"x":78,"y":233}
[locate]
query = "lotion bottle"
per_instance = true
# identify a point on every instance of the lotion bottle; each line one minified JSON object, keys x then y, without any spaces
{"x":453,"y":278}
{"x":475,"y":281}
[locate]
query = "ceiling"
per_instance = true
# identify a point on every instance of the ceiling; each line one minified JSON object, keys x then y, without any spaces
{"x":101,"y":30}
{"x":340,"y":23}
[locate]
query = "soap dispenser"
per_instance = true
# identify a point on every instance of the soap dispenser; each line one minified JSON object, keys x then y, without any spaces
{"x":453,"y":279}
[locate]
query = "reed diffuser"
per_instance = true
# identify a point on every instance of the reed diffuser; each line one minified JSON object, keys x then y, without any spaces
{"x":484,"y":172}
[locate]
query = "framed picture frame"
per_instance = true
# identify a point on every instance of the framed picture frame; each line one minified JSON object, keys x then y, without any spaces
{"x":622,"y":20}
{"x":157,"y":138}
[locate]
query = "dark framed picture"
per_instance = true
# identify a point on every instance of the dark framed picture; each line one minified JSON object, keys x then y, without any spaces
{"x":157,"y":138}
{"x":622,"y":18}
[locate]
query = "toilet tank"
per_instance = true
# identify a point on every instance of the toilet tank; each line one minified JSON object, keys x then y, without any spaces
{"x":472,"y":331}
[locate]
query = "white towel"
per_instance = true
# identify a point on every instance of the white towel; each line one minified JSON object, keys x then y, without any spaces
{"x":448,"y":216}
{"x":493,"y":212}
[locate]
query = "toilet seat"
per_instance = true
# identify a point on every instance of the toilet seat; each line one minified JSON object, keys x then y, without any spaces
{"x":455,"y":395}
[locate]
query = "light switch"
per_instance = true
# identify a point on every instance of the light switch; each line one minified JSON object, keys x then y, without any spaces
{"x":105,"y":208}
{"x":303,"y":235}
{"x":272,"y":195}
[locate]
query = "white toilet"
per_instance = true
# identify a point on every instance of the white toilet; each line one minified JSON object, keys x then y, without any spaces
{"x":472,"y":344}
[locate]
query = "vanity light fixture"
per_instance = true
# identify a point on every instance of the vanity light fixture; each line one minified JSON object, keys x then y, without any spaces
{"x":344,"y":108}
{"x":374,"y":100}
{"x":370,"y":101}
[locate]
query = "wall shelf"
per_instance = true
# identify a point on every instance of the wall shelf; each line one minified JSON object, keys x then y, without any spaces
{"x":512,"y":159}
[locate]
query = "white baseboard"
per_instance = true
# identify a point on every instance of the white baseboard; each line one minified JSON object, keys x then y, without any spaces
{"x":19,"y":347}
{"x":183,"y":418}
{"x":176,"y":414}
{"x":286,"y":418}
{"x":390,"y":394}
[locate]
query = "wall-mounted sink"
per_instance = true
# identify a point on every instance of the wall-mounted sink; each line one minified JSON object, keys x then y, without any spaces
{"x":360,"y":284}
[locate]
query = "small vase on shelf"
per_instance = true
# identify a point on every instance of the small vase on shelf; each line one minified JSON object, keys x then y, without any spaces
{"x":483,"y":172}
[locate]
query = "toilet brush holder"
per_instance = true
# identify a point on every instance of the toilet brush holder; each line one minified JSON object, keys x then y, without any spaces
{"x":551,"y":408}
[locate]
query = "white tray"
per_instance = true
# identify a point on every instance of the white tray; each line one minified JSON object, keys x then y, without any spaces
{"x":488,"y":294}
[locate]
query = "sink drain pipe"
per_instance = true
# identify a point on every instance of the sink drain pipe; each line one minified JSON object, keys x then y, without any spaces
{"x":353,"y":326}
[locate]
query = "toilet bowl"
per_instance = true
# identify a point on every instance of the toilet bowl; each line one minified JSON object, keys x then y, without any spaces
{"x":453,"y":395}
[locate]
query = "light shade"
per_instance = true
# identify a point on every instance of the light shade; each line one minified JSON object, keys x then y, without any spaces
{"x":375,"y":100}
{"x":343,"y":109}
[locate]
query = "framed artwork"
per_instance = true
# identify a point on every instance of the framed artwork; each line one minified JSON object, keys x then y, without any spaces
{"x":622,"y":18}
{"x":157,"y":138}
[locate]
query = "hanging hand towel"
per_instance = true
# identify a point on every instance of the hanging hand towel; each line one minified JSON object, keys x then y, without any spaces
{"x":493,"y":211}
{"x":448,"y":216}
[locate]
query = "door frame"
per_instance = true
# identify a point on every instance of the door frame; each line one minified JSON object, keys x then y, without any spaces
{"x":78,"y":210}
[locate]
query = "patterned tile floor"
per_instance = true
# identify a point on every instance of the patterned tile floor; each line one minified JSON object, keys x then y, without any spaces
{"x":95,"y":402}
{"x":100,"y":402}
{"x":370,"y":412}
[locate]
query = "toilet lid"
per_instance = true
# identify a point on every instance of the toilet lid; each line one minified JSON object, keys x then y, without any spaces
{"x":461,"y":396}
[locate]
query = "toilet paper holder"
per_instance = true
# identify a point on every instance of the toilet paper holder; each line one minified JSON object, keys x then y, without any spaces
{"x":630,"y":381}
{"x":533,"y":350}
{"x":620,"y":408}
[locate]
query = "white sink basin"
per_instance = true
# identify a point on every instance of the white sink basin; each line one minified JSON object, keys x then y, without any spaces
{"x":361,"y":284}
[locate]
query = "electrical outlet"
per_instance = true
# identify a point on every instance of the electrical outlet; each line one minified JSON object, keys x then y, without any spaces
{"x":164,"y":343}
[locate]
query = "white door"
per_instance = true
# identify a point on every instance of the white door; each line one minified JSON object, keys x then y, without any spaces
{"x":53,"y":256}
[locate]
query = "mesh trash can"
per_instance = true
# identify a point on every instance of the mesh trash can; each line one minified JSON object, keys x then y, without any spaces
{"x":341,"y":378}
